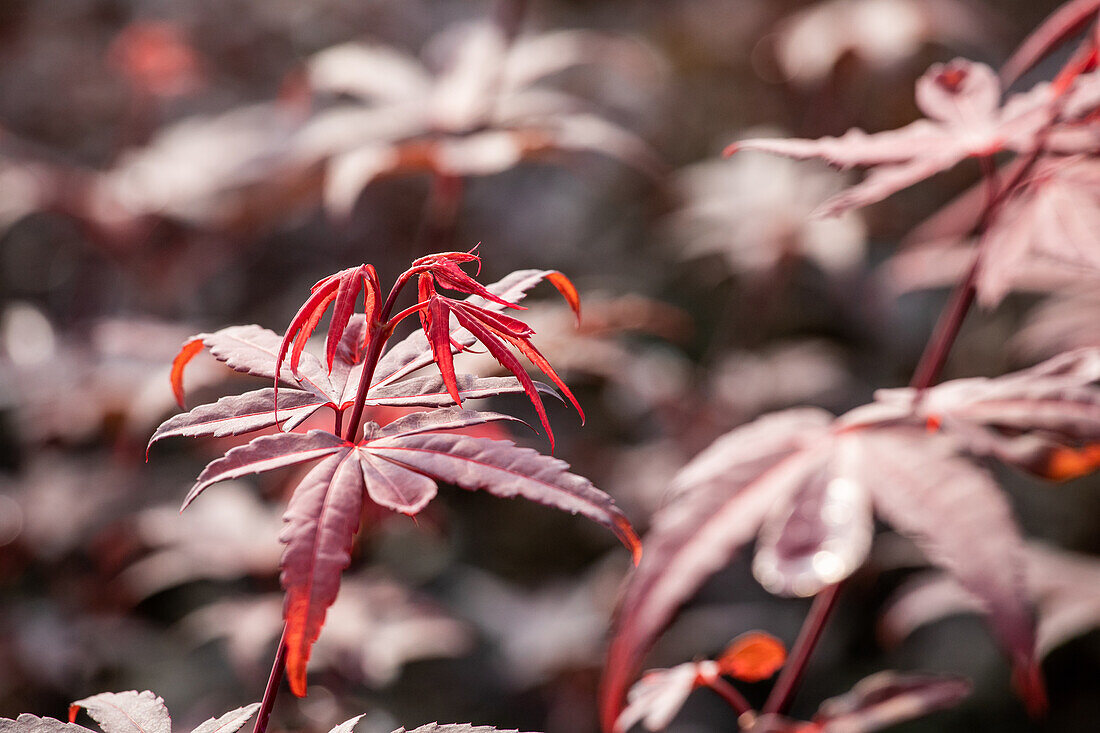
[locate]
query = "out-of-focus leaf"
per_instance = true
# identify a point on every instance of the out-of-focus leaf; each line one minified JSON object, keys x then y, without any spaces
{"x":231,"y":722}
{"x":1063,"y":585}
{"x":753,"y":656}
{"x":716,"y":506}
{"x":811,"y":42}
{"x":231,"y":534}
{"x":812,"y":482}
{"x":455,"y":728}
{"x":960,"y":519}
{"x":27,"y":723}
{"x":963,"y":118}
{"x":1066,"y":321}
{"x":656,"y":698}
{"x":888,"y":698}
{"x":755,"y":211}
{"x":126,"y":712}
{"x":1044,"y":420}
{"x":375,"y":627}
{"x":474,"y":112}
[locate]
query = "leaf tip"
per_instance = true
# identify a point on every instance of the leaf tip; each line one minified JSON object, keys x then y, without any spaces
{"x":1027,"y":681}
{"x":731,"y":149}
{"x":568,"y":291}
{"x":187,"y":353}
{"x":625,"y":531}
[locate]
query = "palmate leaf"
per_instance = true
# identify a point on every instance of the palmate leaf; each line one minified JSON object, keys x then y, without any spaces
{"x":1044,"y":420}
{"x":397,"y":467}
{"x":476,"y":112}
{"x":1043,"y":238}
{"x":964,"y":118}
{"x":715,"y":506}
{"x":126,"y":712}
{"x":807,"y":484}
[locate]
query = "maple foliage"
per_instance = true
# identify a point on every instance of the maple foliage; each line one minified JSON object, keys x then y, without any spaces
{"x":1062,"y":584}
{"x":396,"y":466}
{"x":474,"y":106}
{"x":126,"y":712}
{"x":806,"y":485}
{"x":963,"y":117}
{"x":144,"y":712}
{"x":882,"y":700}
{"x":1043,"y":238}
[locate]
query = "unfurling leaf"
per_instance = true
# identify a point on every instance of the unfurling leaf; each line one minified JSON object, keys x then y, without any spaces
{"x":661,"y":693}
{"x":753,"y":657}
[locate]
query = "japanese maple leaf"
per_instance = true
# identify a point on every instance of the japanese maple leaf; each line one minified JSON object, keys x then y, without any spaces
{"x":144,"y":712}
{"x":396,"y":467}
{"x":807,"y":485}
{"x":963,"y":118}
{"x":1044,"y":420}
{"x":1043,"y":238}
{"x":1064,"y":586}
{"x":125,"y":712}
{"x":473,"y":108}
{"x":494,"y":330}
{"x":377,"y":622}
{"x":881,"y":33}
{"x":755,"y":212}
{"x":255,"y":350}
{"x":1065,"y":321}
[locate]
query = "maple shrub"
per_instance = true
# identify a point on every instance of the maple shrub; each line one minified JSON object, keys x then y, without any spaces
{"x":806,"y":485}
{"x":397,"y":466}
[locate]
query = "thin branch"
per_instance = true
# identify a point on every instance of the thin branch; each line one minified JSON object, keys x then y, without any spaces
{"x":812,"y":628}
{"x":278,"y":667}
{"x":731,"y":695}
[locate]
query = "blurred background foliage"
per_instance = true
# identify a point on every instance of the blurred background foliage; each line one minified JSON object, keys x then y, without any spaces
{"x":174,"y":167}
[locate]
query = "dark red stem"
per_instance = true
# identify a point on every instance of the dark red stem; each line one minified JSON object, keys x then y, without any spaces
{"x":381,"y":330}
{"x":272,"y":689}
{"x":731,"y":695}
{"x":812,"y":628}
